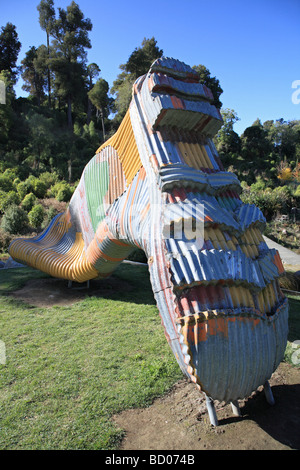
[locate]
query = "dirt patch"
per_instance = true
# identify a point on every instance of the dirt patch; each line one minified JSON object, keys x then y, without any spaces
{"x":179,"y":420}
{"x":50,"y":292}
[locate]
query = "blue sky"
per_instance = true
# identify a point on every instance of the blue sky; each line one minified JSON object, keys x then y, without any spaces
{"x":252,"y":47}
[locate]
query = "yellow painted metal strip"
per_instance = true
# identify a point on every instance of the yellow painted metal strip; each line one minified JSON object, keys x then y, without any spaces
{"x":123,"y":141}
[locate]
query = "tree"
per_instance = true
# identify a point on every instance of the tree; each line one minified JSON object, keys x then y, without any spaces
{"x":70,"y":41}
{"x":138,"y":64}
{"x":46,"y":20}
{"x":98,"y":96}
{"x":32,"y":72}
{"x":228,"y":142}
{"x":211,"y":82}
{"x":14,"y":220}
{"x":6,"y":112}
{"x":93,"y":71}
{"x":9,"y":50}
{"x":41,"y":138}
{"x":142,"y":58}
{"x":256,"y":148}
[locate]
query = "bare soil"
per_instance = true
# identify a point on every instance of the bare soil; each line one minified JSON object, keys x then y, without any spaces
{"x":179,"y":420}
{"x":50,"y":291}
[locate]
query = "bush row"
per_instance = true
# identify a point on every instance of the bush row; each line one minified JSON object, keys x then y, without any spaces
{"x":46,"y":185}
{"x":271,"y":202}
{"x":20,"y":206}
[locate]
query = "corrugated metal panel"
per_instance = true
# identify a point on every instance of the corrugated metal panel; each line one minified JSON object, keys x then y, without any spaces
{"x":220,"y":304}
{"x":173,"y":67}
{"x":59,"y":251}
{"x":214,"y":340}
{"x":96,"y":179}
{"x":181,"y":175}
{"x":123,"y":142}
{"x":211,"y":266}
{"x":159,"y":82}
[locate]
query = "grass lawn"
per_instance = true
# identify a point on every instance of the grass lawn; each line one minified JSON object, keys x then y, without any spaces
{"x":69,"y":369}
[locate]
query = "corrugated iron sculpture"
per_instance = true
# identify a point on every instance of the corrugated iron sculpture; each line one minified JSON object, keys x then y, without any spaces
{"x":158,"y":184}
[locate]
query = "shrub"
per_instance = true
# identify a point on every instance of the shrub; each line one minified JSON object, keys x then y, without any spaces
{"x":259,"y":185}
{"x":35,"y":186}
{"x":49,"y":179}
{"x":62,"y":191}
{"x":23,"y":189}
{"x":5,"y":183}
{"x":36,"y":216}
{"x":10,"y":173}
{"x":16,"y":182}
{"x":297,"y":192}
{"x":39,"y":188}
{"x":15,"y":220}
{"x":55,"y":188}
{"x":28,"y":202}
{"x":8,"y":199}
{"x":5,"y":240}
{"x":64,"y":194}
{"x":51,"y":213}
{"x":30,"y":182}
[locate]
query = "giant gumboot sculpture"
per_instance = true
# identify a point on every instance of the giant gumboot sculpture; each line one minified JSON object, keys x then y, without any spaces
{"x":158,"y":184}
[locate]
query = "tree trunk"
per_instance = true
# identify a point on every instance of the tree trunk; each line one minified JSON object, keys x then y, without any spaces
{"x":70,"y":123}
{"x":70,"y":169}
{"x":89,"y":112}
{"x":48,"y":72}
{"x":102,"y":121}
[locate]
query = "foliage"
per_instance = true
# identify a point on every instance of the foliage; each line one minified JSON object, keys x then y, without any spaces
{"x":285,"y":174}
{"x":15,"y":220}
{"x":34,"y":73}
{"x":10,"y":47}
{"x":51,"y":213}
{"x":22,"y":189}
{"x":39,"y":188}
{"x":5,"y":183}
{"x":211,"y":82}
{"x":36,"y":216}
{"x":62,"y":191}
{"x":28,"y":202}
{"x":64,"y":194}
{"x":271,"y":202}
{"x":8,"y":199}
{"x":138,"y":64}
{"x":5,"y":240}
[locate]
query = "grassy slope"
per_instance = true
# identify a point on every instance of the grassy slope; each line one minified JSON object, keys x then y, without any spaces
{"x":68,"y":369}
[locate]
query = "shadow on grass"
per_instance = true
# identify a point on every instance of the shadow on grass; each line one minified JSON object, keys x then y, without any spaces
{"x":129,"y":283}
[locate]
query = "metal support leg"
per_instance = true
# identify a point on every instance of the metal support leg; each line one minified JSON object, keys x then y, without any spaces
{"x":69,"y":284}
{"x":211,"y":411}
{"x":235,"y":408}
{"x":269,"y":394}
{"x":88,"y":284}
